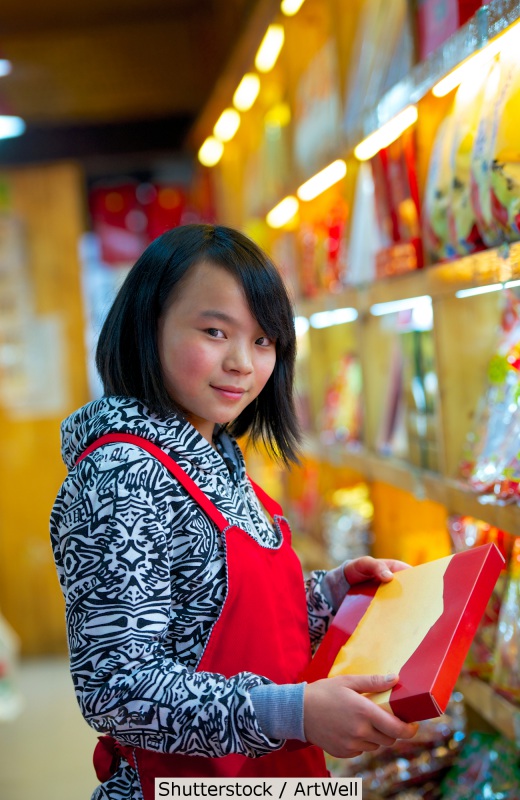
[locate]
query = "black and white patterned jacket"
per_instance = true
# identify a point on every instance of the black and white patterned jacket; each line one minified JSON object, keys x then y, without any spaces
{"x":143,"y":574}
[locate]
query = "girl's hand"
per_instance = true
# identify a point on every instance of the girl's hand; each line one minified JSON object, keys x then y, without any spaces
{"x":367,"y":568}
{"x":342,"y":722}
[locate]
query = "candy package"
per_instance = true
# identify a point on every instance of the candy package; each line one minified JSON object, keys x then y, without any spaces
{"x":463,"y":234}
{"x":437,"y":195}
{"x":492,"y":464}
{"x":506,"y":669}
{"x":482,"y":162}
{"x":485,"y":769}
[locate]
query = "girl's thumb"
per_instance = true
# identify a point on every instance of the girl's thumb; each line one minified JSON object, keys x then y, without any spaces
{"x":371,"y":683}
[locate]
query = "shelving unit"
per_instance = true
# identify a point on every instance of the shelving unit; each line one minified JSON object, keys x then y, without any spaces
{"x":440,"y":282}
{"x":464,"y":333}
{"x":492,"y":707}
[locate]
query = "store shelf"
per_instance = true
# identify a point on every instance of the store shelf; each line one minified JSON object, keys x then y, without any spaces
{"x":453,"y":494}
{"x":492,"y":707}
{"x":497,"y":265}
{"x":489,"y":21}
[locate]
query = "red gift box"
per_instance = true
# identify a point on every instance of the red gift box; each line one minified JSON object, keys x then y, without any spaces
{"x":419,"y":625}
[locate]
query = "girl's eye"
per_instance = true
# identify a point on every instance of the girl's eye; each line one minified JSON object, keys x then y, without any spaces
{"x":215,"y":332}
{"x":264,"y":341}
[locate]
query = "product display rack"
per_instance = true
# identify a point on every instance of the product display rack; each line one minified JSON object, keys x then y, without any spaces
{"x":440,"y":282}
{"x":464,"y":330}
{"x":494,"y":709}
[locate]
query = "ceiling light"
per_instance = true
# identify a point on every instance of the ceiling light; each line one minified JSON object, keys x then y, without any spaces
{"x":211,"y":152}
{"x":490,"y":287}
{"x":227,"y":125}
{"x":246,"y":91}
{"x":390,"y":131}
{"x":301,"y":325}
{"x":5,"y":67}
{"x":11,"y":126}
{"x":322,"y":180}
{"x":282,"y":213}
{"x":337,"y":316}
{"x":291,"y":7}
{"x":270,"y":47}
{"x":394,"y":306}
{"x":475,"y":61}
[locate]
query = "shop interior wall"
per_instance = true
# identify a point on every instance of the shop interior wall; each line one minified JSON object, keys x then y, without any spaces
{"x":44,"y":206}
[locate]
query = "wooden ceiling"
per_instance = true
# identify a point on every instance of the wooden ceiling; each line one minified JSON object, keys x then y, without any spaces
{"x":112,"y":75}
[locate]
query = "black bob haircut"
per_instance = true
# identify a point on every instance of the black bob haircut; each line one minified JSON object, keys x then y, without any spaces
{"x":127,"y":355}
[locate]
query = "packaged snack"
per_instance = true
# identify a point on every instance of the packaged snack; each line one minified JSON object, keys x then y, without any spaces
{"x":505,"y":172}
{"x":491,"y":464}
{"x":341,"y":416}
{"x":463,"y":233}
{"x":486,"y":769}
{"x":481,"y":162}
{"x":437,"y":195}
{"x":397,"y":206}
{"x":506,"y":671}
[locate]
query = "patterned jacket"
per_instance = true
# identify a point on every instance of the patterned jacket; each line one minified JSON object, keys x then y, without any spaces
{"x":142,"y":570}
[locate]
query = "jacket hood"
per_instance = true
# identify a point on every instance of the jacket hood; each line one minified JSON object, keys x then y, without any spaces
{"x":128,"y":415}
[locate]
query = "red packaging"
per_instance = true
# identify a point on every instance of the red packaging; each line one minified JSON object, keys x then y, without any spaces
{"x":420,"y":625}
{"x":437,"y":20}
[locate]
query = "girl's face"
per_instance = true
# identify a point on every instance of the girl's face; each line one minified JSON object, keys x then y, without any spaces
{"x":215,"y":357}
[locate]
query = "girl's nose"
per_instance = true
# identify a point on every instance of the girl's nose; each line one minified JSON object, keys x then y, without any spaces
{"x":238,"y":359}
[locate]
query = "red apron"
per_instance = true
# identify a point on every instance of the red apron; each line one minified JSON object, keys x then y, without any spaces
{"x":263,"y":628}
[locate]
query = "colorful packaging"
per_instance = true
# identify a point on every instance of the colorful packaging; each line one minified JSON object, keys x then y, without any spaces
{"x":467,"y":532}
{"x":419,"y":625}
{"x":492,"y":464}
{"x":437,"y":195}
{"x":463,"y":233}
{"x":397,"y":205}
{"x":481,"y":162}
{"x":485,"y":769}
{"x":505,"y":172}
{"x":437,"y":20}
{"x":506,"y":671}
{"x":341,"y":418}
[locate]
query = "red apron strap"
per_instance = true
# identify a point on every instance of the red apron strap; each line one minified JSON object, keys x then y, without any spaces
{"x":191,"y":487}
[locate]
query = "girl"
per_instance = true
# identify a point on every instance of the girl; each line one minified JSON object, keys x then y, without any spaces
{"x":189,"y":622}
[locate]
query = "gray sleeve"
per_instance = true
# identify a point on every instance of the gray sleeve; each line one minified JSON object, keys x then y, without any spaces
{"x":279,"y":710}
{"x":335,"y":586}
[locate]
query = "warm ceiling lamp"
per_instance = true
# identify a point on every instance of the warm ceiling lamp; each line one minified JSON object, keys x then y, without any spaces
{"x":270,"y":47}
{"x":387,"y":134}
{"x":210,"y":152}
{"x":246,"y":91}
{"x":291,"y":7}
{"x":283,"y":213}
{"x":322,"y":180}
{"x":475,"y":62}
{"x":227,"y":125}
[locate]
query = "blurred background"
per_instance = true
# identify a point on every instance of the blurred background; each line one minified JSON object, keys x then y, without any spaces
{"x":372,"y":149}
{"x":104,"y":95}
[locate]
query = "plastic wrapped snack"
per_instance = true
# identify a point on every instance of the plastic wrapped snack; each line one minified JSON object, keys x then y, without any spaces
{"x":506,"y":671}
{"x":492,"y":465}
{"x":437,"y":195}
{"x":481,"y":162}
{"x":505,"y":171}
{"x":463,"y":234}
